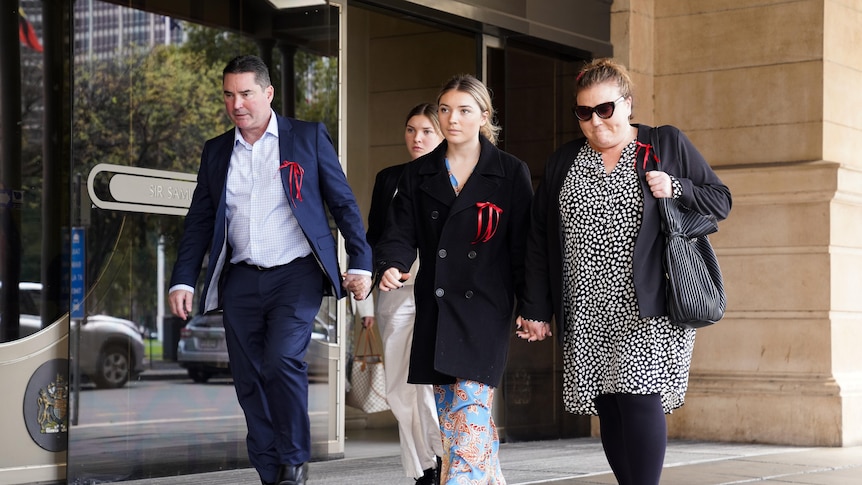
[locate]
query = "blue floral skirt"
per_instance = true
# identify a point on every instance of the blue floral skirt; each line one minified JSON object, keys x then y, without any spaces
{"x":470,"y":442}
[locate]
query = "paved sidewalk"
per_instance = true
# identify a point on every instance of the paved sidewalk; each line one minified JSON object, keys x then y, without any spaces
{"x":581,"y":462}
{"x":372,"y":458}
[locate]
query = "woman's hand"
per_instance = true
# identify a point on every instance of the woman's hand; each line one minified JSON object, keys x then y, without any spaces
{"x":367,"y":322}
{"x":392,"y":279}
{"x":660,"y":184}
{"x":532,"y":330}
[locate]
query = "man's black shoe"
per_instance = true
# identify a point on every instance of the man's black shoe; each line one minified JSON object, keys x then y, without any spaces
{"x":292,"y":474}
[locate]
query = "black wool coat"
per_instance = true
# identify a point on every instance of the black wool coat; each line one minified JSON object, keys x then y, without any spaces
{"x":385,"y":185}
{"x":471,"y":262}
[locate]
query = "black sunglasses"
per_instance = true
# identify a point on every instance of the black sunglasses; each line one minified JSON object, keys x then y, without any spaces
{"x":603,"y":111}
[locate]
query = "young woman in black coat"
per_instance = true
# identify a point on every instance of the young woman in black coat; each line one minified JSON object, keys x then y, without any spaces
{"x":465,"y":207}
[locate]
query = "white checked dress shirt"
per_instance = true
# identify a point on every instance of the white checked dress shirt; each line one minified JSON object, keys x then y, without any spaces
{"x":262,"y":229}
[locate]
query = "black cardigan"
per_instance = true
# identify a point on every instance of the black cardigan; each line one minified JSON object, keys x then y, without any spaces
{"x":702,"y":191}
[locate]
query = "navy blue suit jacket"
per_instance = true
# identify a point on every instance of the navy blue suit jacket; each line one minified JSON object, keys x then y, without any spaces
{"x":324,"y":186}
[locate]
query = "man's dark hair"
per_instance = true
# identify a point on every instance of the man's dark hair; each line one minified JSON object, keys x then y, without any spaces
{"x":249,"y":63}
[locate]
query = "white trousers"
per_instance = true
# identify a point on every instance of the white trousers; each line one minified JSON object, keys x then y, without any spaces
{"x":413,"y":405}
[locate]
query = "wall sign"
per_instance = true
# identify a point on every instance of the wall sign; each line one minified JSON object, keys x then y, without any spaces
{"x":147,"y":190}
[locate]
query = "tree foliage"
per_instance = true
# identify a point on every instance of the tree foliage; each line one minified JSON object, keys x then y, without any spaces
{"x":148,"y":109}
{"x":218,"y":47}
{"x":317,"y":90}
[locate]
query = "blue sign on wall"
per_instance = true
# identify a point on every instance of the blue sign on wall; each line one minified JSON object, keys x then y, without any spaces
{"x":76,"y":277}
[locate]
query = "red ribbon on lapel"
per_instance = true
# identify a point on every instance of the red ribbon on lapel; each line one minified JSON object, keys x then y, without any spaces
{"x":647,"y":149}
{"x":486,"y":228}
{"x":294,"y":180}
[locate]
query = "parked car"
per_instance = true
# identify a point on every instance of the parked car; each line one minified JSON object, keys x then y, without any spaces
{"x":203,"y":351}
{"x":111,"y":349}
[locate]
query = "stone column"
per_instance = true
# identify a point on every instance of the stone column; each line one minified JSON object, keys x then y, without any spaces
{"x":775,"y":111}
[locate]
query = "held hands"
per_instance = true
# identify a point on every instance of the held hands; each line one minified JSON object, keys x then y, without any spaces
{"x":359,"y":285}
{"x":660,"y":184}
{"x":392,"y":279}
{"x":531,"y":330}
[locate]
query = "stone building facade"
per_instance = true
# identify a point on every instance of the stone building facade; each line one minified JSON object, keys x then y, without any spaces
{"x":766,"y":90}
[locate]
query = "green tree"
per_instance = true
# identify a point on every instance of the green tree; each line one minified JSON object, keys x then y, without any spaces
{"x":317,"y":90}
{"x":316,"y":80}
{"x":218,"y":47}
{"x":148,"y":109}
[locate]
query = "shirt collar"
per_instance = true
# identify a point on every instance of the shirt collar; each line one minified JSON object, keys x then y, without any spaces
{"x":271,"y":129}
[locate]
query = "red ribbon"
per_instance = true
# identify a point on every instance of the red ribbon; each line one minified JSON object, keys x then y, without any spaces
{"x":647,"y":149}
{"x":294,"y":179}
{"x":485,"y":230}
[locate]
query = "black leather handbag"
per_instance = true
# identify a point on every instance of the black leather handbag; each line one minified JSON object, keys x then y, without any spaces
{"x":695,"y":290}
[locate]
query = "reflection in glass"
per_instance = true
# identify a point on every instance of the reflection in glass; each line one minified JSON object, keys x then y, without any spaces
{"x":147,"y":95}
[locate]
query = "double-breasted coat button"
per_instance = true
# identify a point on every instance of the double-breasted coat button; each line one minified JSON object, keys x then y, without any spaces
{"x":468,"y":294}
{"x":442,"y":253}
{"x":439,"y":292}
{"x":435,"y":215}
{"x":471,"y":255}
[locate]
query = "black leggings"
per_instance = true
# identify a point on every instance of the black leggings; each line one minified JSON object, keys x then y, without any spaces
{"x":634,"y":436}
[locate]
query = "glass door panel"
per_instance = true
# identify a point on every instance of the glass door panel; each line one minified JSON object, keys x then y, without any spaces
{"x":153,"y":396}
{"x":534,"y":97}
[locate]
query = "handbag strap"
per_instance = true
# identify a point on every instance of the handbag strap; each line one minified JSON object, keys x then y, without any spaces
{"x":653,"y":143}
{"x":674,"y":216}
{"x":365,"y":345}
{"x":667,"y":206}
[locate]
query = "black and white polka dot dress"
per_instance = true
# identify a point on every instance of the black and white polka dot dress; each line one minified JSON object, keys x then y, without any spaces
{"x":608,"y":348}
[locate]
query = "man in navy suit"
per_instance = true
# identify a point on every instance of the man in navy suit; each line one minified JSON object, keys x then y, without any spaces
{"x":259,"y":209}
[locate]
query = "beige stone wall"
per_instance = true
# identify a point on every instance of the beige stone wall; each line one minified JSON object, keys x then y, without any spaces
{"x":766,"y":90}
{"x":632,"y":34}
{"x":842,"y":143}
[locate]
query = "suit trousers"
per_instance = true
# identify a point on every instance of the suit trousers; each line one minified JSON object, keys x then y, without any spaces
{"x":412,"y":404}
{"x":268,"y":317}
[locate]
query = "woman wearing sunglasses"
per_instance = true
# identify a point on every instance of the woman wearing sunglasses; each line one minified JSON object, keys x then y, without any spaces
{"x":594,"y":261}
